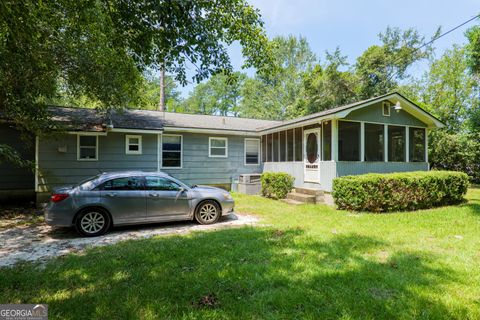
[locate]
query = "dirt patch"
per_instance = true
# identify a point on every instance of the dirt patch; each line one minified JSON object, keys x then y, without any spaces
{"x":40,"y":242}
{"x":12,"y":216}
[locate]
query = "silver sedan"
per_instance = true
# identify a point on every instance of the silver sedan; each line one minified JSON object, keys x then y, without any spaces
{"x":122,"y":198}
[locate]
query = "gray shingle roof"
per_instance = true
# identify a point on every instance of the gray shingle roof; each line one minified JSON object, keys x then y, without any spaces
{"x":79,"y":119}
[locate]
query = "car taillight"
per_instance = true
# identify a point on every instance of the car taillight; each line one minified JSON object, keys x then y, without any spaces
{"x":57,"y":197}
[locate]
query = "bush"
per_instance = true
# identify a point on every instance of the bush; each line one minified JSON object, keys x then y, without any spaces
{"x":399,"y":191}
{"x":276,"y":185}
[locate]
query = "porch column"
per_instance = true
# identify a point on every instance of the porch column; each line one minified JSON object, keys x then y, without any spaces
{"x":362,"y":141}
{"x":407,"y":144}
{"x":426,"y":148}
{"x":334,"y":140}
{"x":385,"y":142}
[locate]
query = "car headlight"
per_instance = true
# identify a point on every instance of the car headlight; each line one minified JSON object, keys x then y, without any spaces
{"x":227,"y":196}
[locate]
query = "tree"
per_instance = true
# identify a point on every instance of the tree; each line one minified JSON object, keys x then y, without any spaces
{"x":446,"y":90}
{"x":473,"y":50}
{"x":220,"y":95}
{"x":150,"y":94}
{"x":274,"y":96}
{"x":326,"y":86}
{"x":99,"y":49}
{"x":381,"y":67}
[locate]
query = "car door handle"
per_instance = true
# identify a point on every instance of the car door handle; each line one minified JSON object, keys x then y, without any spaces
{"x":154,"y":195}
{"x":111,"y":194}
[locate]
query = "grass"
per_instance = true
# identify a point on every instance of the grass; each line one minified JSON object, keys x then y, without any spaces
{"x":306,"y":262}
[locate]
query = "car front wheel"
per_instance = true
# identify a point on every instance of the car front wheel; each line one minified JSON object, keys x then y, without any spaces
{"x":92,"y":222}
{"x":208,"y":212}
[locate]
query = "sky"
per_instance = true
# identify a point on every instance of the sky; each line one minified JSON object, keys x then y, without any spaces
{"x":353,"y":25}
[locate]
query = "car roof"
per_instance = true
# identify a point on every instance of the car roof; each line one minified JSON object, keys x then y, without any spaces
{"x":129,"y":173}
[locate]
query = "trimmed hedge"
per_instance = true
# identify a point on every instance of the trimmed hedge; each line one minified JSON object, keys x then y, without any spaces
{"x":399,"y":191}
{"x":276,"y":185}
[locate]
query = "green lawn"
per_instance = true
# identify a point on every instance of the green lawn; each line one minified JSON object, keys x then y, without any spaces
{"x":308,"y":262}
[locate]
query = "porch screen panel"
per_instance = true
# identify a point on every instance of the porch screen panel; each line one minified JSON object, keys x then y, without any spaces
{"x":264,"y":148}
{"x":327,"y":141}
{"x":275,"y":147}
{"x":348,"y":141}
{"x":374,"y":142}
{"x":269,"y":148}
{"x":417,"y":144}
{"x":290,"y":151}
{"x":283,"y":145}
{"x":298,"y":144}
{"x":396,"y":144}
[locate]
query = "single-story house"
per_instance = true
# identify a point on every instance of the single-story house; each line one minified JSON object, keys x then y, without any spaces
{"x":387,"y":133}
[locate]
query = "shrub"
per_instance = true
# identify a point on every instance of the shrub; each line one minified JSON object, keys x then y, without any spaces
{"x":399,"y":191}
{"x":276,"y":185}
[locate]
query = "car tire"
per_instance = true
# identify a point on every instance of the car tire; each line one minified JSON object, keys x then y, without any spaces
{"x":208,"y":212}
{"x":92,"y":222}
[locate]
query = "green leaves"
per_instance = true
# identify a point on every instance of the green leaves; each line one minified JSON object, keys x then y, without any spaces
{"x":276,"y":185}
{"x":399,"y":191}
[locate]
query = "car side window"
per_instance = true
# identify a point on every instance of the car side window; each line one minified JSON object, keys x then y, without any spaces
{"x":125,"y":184}
{"x":161,"y":184}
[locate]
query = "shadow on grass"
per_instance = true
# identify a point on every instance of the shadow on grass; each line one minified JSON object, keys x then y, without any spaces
{"x":243,"y":273}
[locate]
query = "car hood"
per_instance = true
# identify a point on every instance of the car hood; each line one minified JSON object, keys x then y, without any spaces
{"x":208,"y":189}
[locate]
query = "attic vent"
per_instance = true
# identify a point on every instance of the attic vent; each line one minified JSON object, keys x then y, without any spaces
{"x":386,"y":108}
{"x":223,"y":120}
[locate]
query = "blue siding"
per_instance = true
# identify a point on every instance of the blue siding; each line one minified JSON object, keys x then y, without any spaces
{"x":345,"y":168}
{"x":57,"y":168}
{"x":374,"y":113}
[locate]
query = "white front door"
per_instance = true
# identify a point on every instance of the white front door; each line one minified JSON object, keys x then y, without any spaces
{"x":311,"y":156}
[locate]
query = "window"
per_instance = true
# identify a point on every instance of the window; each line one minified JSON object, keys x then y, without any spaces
{"x":417,"y":144}
{"x":87,"y":147}
{"x":133,"y":144}
{"x":396,"y":143}
{"x":275,"y":147}
{"x":298,"y":144}
{"x":290,"y":151}
{"x":327,"y":141}
{"x":252,"y":151}
{"x":374,"y":142}
{"x":264,"y":148}
{"x":123,"y":184}
{"x":218,"y":147}
{"x":348,"y":141}
{"x":386,"y":109}
{"x":171,"y":151}
{"x":161,"y":184}
{"x":269,"y":147}
{"x":283,"y":146}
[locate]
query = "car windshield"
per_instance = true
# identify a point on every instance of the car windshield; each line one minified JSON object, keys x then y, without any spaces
{"x":87,"y":184}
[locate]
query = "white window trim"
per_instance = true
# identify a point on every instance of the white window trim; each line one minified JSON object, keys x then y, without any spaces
{"x":388,"y":108}
{"x":161,"y":151}
{"x":245,"y":151}
{"x":210,"y":147}
{"x":127,"y":144}
{"x":78,"y":147}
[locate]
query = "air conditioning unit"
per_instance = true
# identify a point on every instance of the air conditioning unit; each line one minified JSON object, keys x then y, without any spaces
{"x":249,"y":183}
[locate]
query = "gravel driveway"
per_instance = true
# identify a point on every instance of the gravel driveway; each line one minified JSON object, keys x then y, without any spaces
{"x":40,"y":242}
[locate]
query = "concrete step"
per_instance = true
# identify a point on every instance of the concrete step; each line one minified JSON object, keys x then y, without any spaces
{"x":301,"y":197}
{"x":292,"y":202}
{"x":309,"y":191}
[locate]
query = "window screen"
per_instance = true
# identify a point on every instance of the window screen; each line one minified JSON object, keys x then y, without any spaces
{"x":252,"y":148}
{"x":348,"y":141}
{"x":290,"y":151}
{"x":283,"y":146}
{"x":298,"y":144}
{"x":87,"y":147}
{"x":218,"y":147}
{"x":374,"y":142}
{"x":171,"y":151}
{"x":396,"y":143}
{"x":264,"y":148}
{"x":269,"y":147}
{"x":417,"y":144}
{"x":276,"y":145}
{"x":327,"y":141}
